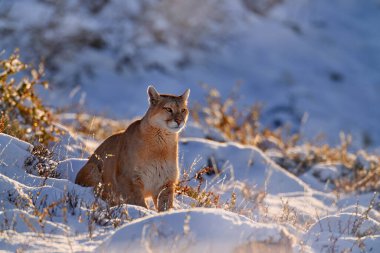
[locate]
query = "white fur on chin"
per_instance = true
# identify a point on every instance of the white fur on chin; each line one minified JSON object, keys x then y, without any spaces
{"x":174,"y":127}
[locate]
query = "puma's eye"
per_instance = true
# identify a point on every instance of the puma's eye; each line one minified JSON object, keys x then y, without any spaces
{"x":168,"y":109}
{"x":184,"y":110}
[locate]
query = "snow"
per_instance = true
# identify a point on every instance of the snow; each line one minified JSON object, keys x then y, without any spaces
{"x":197,"y":230}
{"x":17,"y":151}
{"x":239,"y":163}
{"x":303,"y":59}
{"x":274,"y":211}
{"x":21,"y":221}
{"x":313,"y":64}
{"x":68,"y":145}
{"x":345,"y":228}
{"x":69,"y":168}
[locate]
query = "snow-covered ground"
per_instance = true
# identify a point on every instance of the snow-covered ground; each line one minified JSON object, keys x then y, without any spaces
{"x":273,"y":211}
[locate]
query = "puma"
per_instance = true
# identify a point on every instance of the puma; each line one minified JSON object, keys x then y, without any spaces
{"x":142,"y":161}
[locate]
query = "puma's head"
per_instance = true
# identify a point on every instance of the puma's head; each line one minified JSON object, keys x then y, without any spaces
{"x":167,"y":112}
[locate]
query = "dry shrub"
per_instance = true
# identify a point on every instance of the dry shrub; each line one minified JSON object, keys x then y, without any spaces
{"x":22,"y":113}
{"x":42,"y":163}
{"x":240,"y":126}
{"x":202,"y":196}
{"x":363,"y":169}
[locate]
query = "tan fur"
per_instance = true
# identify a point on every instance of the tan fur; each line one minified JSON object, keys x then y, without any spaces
{"x":142,"y":161}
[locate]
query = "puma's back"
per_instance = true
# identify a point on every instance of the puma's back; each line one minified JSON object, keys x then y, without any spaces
{"x":142,"y":161}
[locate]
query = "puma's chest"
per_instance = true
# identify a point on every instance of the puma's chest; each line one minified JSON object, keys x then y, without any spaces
{"x":158,"y":173}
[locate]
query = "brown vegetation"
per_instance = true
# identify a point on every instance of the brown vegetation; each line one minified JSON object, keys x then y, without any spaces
{"x":22,"y":113}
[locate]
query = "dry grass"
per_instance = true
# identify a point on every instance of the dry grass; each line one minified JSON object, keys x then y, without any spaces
{"x":41,"y":163}
{"x":22,"y":113}
{"x":202,"y":197}
{"x":238,"y":125}
{"x":296,"y":155}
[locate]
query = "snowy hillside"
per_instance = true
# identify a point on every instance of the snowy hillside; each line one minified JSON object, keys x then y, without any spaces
{"x":272,"y":210}
{"x":311,"y":63}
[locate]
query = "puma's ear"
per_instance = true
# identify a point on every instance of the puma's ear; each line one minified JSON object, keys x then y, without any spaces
{"x":153,"y":95}
{"x":185,"y":95}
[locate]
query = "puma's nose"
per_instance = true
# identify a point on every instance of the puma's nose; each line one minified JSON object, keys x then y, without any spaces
{"x":178,"y":121}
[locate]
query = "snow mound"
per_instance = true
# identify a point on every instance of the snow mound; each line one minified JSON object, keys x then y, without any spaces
{"x":236,"y":162}
{"x":344,"y":231}
{"x":21,"y":221}
{"x":196,"y":230}
{"x":69,"y":168}
{"x":68,"y":145}
{"x":13,"y":151}
{"x":54,"y":208}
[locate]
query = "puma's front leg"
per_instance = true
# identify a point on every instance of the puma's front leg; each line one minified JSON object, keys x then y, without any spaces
{"x":155,"y":201}
{"x":136,"y":198}
{"x":166,"y":197}
{"x":133,"y":192}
